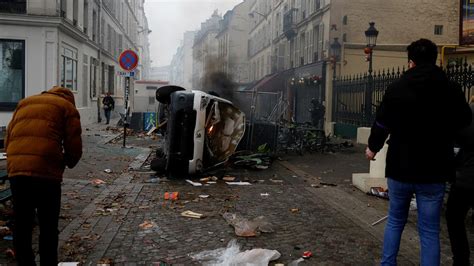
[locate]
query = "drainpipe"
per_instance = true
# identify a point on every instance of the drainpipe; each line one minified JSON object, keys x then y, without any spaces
{"x":442,"y":52}
{"x":99,"y":19}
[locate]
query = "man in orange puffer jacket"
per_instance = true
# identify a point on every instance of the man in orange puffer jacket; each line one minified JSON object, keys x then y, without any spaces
{"x":43,"y":137}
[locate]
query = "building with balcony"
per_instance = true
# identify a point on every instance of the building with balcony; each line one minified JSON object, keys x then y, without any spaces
{"x":74,"y":44}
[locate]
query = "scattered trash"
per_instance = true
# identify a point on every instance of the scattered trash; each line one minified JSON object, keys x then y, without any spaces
{"x":3,"y":155}
{"x":261,"y":167}
{"x":204,"y":196}
{"x":9,"y":238}
{"x":108,"y":171}
{"x":247,"y":228}
{"x":276,"y":180}
{"x":231,"y":255}
{"x":147,"y":225}
{"x":171,"y":195}
{"x":328,"y":184}
{"x":205,"y":179}
{"x":307,"y":255}
{"x":294,"y":210}
{"x":68,"y":264}
{"x":228,"y":178}
{"x":296,"y":262}
{"x":238,"y":183}
{"x":98,"y":182}
{"x":153,"y":180}
{"x":315,"y":185}
{"x":380,"y":220}
{"x":191,"y":214}
{"x":378,"y":192}
{"x":151,"y":131}
{"x":212,"y":182}
{"x":264,"y":194}
{"x":195,"y":184}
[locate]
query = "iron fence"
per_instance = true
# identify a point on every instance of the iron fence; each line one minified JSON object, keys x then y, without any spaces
{"x":356,"y":98}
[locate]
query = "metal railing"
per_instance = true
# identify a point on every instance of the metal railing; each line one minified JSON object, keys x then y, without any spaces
{"x":351,"y":94}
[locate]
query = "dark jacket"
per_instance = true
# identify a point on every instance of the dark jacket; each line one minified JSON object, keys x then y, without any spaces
{"x":465,"y":169}
{"x":422,"y":112}
{"x":44,"y":135}
{"x":108,"y":102}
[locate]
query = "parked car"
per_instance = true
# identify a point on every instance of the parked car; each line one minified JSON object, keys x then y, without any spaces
{"x":202,"y":131}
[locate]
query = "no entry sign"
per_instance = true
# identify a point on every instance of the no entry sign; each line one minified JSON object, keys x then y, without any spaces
{"x":128,"y":60}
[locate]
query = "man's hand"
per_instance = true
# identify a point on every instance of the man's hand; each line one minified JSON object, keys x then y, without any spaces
{"x":370,"y":155}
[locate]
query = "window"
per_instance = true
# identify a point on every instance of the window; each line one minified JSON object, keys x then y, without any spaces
{"x":344,"y":20}
{"x":93,"y":77}
{"x":111,"y":79}
{"x":109,"y":39}
{"x":317,"y":4}
{"x":12,"y":73}
{"x":17,"y":7}
{"x":344,"y":37}
{"x":438,"y":30}
{"x":151,"y":100}
{"x":86,"y":16}
{"x":75,"y":12}
{"x":69,"y":69}
{"x":94,"y":26}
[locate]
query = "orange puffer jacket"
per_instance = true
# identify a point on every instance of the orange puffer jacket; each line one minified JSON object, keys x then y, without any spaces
{"x":44,"y":135}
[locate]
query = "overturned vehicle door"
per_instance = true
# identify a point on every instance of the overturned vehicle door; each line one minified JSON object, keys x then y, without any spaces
{"x":202,"y":132}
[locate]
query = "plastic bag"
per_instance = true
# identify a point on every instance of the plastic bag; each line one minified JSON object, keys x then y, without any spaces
{"x":245,"y":227}
{"x":231,"y":256}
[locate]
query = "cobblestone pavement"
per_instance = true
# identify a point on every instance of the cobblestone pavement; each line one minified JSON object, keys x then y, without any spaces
{"x":101,"y":223}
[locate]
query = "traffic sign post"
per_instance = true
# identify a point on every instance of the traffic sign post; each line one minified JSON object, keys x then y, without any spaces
{"x":128,"y":61}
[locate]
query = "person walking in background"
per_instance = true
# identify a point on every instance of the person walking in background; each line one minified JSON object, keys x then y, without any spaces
{"x":420,"y":157}
{"x":108,"y":105}
{"x":461,"y":195}
{"x":43,"y":137}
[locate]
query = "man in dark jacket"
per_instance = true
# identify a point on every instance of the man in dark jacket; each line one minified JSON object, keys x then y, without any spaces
{"x":43,"y":137}
{"x":420,"y":157}
{"x":109,"y":105}
{"x":461,"y":196}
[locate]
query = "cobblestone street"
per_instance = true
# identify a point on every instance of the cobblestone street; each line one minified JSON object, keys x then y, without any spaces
{"x":101,"y":223}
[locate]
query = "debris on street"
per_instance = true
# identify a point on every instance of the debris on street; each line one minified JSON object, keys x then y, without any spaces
{"x":195,"y":184}
{"x":276,"y":181}
{"x":307,"y":255}
{"x":171,"y":195}
{"x":147,"y":225}
{"x":238,"y":183}
{"x":294,"y":210}
{"x":245,"y":227}
{"x":228,"y":178}
{"x":328,"y":184}
{"x":191,"y":214}
{"x":380,"y":220}
{"x":231,"y":255}
{"x":296,"y":262}
{"x":264,"y":194}
{"x":378,"y":192}
{"x":108,"y":171}
{"x":98,"y":182}
{"x":204,"y":196}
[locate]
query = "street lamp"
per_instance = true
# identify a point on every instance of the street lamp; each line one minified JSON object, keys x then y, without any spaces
{"x":371,"y":34}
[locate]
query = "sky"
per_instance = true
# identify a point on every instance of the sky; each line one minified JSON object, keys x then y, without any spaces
{"x":169,"y":19}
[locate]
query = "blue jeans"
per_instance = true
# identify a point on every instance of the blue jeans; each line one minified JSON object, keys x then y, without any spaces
{"x":107,"y":115}
{"x":429,"y":199}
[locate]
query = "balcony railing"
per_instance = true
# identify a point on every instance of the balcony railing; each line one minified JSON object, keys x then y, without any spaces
{"x":17,"y":7}
{"x":289,"y":23}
